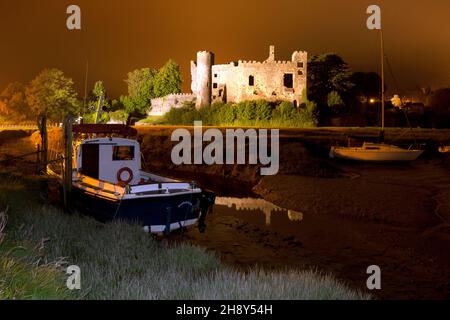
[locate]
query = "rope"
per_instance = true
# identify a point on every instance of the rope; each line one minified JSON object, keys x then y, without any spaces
{"x":400,"y":90}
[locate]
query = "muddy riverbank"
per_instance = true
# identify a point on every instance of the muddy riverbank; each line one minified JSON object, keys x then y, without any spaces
{"x":352,"y":216}
{"x":340,"y":218}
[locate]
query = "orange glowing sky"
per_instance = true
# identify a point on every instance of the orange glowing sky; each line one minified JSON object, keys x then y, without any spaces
{"x":119,"y":36}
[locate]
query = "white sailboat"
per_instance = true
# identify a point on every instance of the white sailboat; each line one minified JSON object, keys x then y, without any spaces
{"x":377,"y":151}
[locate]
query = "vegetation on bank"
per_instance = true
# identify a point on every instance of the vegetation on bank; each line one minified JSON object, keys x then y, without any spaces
{"x":119,"y":261}
{"x":248,"y":113}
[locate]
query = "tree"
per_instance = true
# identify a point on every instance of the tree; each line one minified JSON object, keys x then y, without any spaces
{"x":366,"y":85}
{"x":99,"y":89}
{"x":168,"y":80}
{"x":396,"y":101}
{"x":140,"y":90}
{"x":326,"y":73}
{"x":13,"y":103}
{"x":335,"y":102}
{"x":51,"y":93}
{"x":440,"y":101}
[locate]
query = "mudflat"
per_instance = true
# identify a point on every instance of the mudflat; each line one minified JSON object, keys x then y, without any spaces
{"x":353,"y":216}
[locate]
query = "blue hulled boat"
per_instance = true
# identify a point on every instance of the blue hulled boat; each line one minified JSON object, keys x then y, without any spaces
{"x":108,"y":183}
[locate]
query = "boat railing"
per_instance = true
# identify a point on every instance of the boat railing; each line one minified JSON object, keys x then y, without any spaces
{"x":132,"y":189}
{"x":161,"y":187}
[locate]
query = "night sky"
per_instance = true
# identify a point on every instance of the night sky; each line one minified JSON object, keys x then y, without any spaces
{"x":119,"y":36}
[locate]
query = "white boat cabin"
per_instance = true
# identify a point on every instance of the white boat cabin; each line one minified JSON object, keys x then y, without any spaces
{"x":115,"y":160}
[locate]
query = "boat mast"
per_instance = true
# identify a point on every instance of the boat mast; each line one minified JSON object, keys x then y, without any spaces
{"x":382,"y":80}
{"x":85,"y":87}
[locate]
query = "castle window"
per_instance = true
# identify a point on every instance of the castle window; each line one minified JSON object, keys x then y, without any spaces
{"x":215,"y":75}
{"x":288,"y":80}
{"x":299,"y":64}
{"x":215,"y":85}
{"x":300,"y":72}
{"x":251,"y":81}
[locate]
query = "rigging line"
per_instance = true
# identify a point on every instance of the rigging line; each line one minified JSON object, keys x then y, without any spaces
{"x":400,"y":90}
{"x":391,"y":72}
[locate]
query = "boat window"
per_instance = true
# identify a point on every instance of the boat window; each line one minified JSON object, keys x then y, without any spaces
{"x":121,"y":153}
{"x":372,"y":148}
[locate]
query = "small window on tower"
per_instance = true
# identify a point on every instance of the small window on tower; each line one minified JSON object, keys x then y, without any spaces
{"x":288,"y":80}
{"x":251,"y":81}
{"x":215,"y":75}
{"x":299,"y":64}
{"x":215,"y":85}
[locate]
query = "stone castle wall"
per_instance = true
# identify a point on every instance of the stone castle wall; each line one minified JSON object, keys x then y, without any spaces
{"x":240,"y":81}
{"x":251,"y":80}
{"x":161,"y":106}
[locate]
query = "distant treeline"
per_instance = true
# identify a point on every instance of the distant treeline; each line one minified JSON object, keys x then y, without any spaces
{"x":340,"y":97}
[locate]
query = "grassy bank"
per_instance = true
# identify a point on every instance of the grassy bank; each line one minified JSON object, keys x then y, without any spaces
{"x":119,"y":261}
{"x":259,"y":113}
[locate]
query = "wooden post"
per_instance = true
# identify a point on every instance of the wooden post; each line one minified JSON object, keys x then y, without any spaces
{"x":38,"y":158}
{"x":44,"y":137}
{"x":42,"y":125}
{"x":67,"y":173}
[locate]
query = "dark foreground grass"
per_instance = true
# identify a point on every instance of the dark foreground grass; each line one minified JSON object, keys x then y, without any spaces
{"x":119,"y":261}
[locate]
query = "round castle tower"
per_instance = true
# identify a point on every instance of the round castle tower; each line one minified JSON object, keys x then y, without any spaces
{"x":205,"y":61}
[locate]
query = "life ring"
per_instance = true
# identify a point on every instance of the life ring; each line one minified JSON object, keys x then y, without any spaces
{"x":130,"y":175}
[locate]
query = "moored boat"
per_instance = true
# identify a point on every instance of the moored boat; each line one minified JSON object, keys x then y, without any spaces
{"x":375,"y":152}
{"x":108,"y":183}
{"x":381,"y":151}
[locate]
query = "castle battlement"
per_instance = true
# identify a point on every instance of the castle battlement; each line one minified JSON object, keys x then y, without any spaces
{"x":249,"y":79}
{"x":241,"y":80}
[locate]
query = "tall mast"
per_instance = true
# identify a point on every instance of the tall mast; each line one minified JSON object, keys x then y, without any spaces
{"x":85,"y":87}
{"x":382,"y":80}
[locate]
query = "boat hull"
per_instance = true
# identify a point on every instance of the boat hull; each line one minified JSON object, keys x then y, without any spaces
{"x":358,"y":154}
{"x":156,"y":214}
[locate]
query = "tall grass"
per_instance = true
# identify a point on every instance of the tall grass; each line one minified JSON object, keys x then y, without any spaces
{"x":119,"y":261}
{"x":24,"y":274}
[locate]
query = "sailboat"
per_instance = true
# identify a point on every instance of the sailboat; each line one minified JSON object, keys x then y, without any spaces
{"x":377,"y":152}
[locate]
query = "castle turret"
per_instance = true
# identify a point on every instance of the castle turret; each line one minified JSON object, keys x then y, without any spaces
{"x":271,"y":53}
{"x":205,"y":61}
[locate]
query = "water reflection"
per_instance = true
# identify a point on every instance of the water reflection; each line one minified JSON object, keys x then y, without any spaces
{"x":257,"y":206}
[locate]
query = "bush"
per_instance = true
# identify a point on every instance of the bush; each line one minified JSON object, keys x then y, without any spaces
{"x":246,"y":113}
{"x":284,"y":111}
{"x":263,"y":110}
{"x":90,"y":117}
{"x":185,"y":115}
{"x":218,"y":114}
{"x":119,"y":115}
{"x":335,"y":102}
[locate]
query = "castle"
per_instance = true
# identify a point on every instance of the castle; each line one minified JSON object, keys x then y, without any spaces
{"x":240,"y":81}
